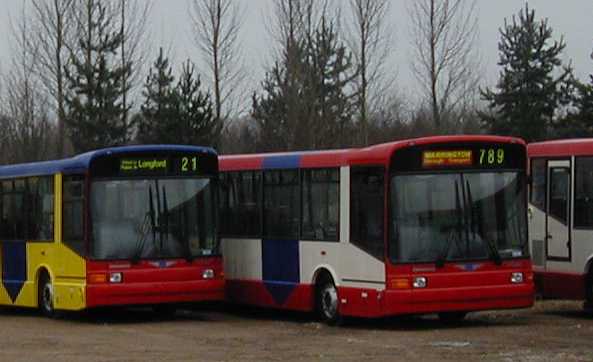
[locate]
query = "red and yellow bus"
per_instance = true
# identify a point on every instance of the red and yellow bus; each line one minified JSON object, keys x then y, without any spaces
{"x":428,"y":225}
{"x":117,"y":226}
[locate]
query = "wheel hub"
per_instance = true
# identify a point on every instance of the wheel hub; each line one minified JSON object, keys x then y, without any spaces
{"x":47,"y":297}
{"x":329,"y":302}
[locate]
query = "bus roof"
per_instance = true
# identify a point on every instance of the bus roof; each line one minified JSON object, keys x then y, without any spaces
{"x":376,"y":154}
{"x":565,"y":147}
{"x":80,"y":163}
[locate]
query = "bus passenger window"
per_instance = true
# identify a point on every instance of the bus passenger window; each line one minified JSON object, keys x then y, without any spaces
{"x":583,"y":197}
{"x":240,"y":204}
{"x":12,"y":218}
{"x":321,"y":204}
{"x":538,"y":185}
{"x":281,"y":204}
{"x":559,"y":192}
{"x":367,"y":202}
{"x":40,"y":208}
{"x":73,"y":212}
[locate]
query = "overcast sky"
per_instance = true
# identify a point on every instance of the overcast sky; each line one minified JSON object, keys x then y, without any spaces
{"x":170,"y":28}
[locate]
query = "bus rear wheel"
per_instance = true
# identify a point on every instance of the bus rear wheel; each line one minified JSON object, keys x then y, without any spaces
{"x":452,"y":317}
{"x":327,"y":302}
{"x":45,"y":296}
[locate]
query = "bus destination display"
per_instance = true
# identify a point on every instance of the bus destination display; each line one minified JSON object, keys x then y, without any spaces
{"x":447,"y":158}
{"x":127,"y":165}
{"x":159,"y":165}
{"x":477,"y":155}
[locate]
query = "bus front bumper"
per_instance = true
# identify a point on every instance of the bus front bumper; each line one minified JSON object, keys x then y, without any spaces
{"x":372,"y":303}
{"x":154,"y":292}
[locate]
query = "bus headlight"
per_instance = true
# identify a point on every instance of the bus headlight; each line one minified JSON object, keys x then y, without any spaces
{"x":517,"y":278}
{"x":419,"y":282}
{"x":208,"y":274}
{"x":115,"y":278}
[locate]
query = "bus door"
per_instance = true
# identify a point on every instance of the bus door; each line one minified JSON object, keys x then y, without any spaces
{"x":558,"y":210}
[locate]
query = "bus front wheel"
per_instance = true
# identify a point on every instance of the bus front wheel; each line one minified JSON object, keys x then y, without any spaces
{"x":45,"y":296}
{"x":327,"y":302}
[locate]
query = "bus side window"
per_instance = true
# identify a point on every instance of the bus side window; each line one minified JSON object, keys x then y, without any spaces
{"x":13,"y":224}
{"x":367,"y":203}
{"x":321,"y":204}
{"x":225,"y":204}
{"x":281,"y":204}
{"x":559,"y":193}
{"x":240,"y":204}
{"x":40,"y":208}
{"x":73,"y":212}
{"x":8,"y":223}
{"x":538,"y":184}
{"x":583,"y":195}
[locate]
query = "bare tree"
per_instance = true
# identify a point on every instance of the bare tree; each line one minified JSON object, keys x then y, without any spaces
{"x":216,"y":24}
{"x":444,"y":33}
{"x":28,"y":129}
{"x":133,"y":15}
{"x":370,"y":42}
{"x":52,"y":24}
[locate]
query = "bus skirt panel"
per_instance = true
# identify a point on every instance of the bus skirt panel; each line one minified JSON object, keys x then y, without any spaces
{"x":296,"y":296}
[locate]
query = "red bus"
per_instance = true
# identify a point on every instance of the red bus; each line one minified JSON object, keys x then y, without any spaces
{"x":561,"y":218}
{"x":427,"y":225}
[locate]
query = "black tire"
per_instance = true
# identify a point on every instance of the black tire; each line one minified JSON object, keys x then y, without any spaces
{"x":165,"y":310}
{"x":327,"y":302}
{"x":45,"y":296}
{"x":452,"y":317}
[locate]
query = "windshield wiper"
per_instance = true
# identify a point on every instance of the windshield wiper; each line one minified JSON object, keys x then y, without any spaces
{"x":148,"y":222}
{"x":159,"y":216}
{"x":493,"y":250}
{"x":165,"y":224}
{"x":440,"y":260}
{"x":455,"y":232}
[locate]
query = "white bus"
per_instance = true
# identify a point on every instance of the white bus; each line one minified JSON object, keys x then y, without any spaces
{"x":429,"y":225}
{"x":561,"y":218}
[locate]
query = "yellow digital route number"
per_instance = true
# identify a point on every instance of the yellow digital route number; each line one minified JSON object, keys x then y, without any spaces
{"x":491,"y":156}
{"x":189,"y":164}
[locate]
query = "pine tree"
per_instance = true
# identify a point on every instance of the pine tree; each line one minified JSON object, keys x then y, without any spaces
{"x":159,"y":110}
{"x":197,"y":123}
{"x":529,"y":94}
{"x":275,"y":113}
{"x":579,"y":121}
{"x":95,"y":109}
{"x":306,"y":103}
{"x":328,"y":80}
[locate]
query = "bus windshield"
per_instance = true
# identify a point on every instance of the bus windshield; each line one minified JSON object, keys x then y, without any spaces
{"x":457,"y":216}
{"x":152,"y":218}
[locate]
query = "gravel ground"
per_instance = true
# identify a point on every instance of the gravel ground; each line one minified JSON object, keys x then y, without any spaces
{"x":551,"y":331}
